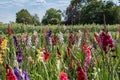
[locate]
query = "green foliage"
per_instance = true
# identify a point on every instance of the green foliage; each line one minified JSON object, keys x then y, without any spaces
{"x":1,"y":23}
{"x":35,"y":19}
{"x":73,"y":15}
{"x":92,"y":11}
{"x":52,"y":16}
{"x":23,"y":16}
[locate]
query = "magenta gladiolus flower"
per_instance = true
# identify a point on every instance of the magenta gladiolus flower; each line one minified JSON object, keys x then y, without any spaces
{"x":0,"y":40}
{"x":106,"y":41}
{"x":63,"y":76}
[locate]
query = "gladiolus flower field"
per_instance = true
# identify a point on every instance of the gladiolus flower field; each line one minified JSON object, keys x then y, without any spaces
{"x":57,"y":52}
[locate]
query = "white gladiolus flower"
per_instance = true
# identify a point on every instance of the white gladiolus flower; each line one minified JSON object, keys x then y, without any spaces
{"x":29,"y":42}
{"x":80,"y":38}
{"x":61,"y":39}
{"x":58,"y":64}
{"x":36,"y":37}
{"x":64,"y":27}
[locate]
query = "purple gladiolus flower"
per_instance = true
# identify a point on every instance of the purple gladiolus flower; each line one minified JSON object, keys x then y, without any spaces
{"x":21,"y":75}
{"x":19,"y":56}
{"x":15,"y":40}
{"x":17,"y":74}
{"x":50,"y":34}
{"x":25,"y":75}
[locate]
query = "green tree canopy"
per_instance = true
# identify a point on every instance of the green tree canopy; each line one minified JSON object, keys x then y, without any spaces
{"x":35,"y":20}
{"x":89,"y":11}
{"x":52,"y":16}
{"x":23,"y":16}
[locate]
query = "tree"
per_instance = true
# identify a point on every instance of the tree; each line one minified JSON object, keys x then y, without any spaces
{"x":23,"y":16}
{"x":92,"y":13}
{"x":74,"y":10}
{"x":52,"y":16}
{"x":117,"y":15}
{"x":112,"y":13}
{"x":35,"y":20}
{"x":89,"y":11}
{"x":73,"y":15}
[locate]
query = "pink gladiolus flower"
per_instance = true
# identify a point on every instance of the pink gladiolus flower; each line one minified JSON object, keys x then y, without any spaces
{"x":63,"y":76}
{"x":36,"y":37}
{"x":88,"y":57}
{"x":24,"y":37}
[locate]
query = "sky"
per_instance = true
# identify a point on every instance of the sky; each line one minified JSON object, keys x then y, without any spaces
{"x":9,"y":8}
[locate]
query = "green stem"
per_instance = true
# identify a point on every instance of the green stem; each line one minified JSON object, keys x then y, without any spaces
{"x":46,"y":70}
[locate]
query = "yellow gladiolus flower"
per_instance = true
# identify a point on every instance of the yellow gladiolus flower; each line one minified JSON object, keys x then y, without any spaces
{"x":117,"y":35}
{"x":4,"y":44}
{"x":1,"y":59}
{"x":39,"y":55}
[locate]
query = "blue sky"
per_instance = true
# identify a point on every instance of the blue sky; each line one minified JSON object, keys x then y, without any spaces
{"x":9,"y":8}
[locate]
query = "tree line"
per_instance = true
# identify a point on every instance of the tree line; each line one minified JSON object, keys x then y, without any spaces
{"x":78,"y":12}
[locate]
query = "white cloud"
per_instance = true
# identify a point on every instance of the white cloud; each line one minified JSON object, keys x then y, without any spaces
{"x":5,"y":2}
{"x":41,"y":1}
{"x":20,"y":1}
{"x":64,"y":1}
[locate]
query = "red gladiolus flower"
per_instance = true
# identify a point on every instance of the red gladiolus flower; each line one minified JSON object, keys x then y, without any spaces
{"x":0,"y":40}
{"x":9,"y":30}
{"x":10,"y":74}
{"x":63,"y":76}
{"x":81,"y":73}
{"x":46,"y":55}
{"x":58,"y":52}
{"x":55,"y":40}
{"x":71,"y":65}
{"x":84,"y":48}
{"x":69,"y":50}
{"x":72,"y":38}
